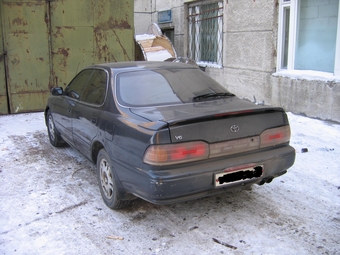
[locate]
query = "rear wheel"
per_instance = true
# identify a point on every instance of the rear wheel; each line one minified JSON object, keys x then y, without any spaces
{"x":107,"y":182}
{"x":54,"y":136}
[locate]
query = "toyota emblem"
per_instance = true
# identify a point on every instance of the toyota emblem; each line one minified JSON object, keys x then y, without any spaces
{"x":234,"y":128}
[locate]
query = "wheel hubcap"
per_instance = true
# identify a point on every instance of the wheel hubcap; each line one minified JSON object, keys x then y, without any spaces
{"x":51,"y":128}
{"x":106,"y":179}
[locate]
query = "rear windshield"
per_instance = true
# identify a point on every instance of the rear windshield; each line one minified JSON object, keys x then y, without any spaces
{"x":164,"y":86}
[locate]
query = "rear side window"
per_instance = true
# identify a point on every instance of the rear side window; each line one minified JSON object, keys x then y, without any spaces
{"x":95,"y":90}
{"x":163,"y":86}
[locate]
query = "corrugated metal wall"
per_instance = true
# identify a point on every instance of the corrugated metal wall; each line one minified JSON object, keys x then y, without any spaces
{"x":45,"y":43}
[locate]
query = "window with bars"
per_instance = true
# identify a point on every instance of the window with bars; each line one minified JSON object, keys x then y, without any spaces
{"x":206,"y":33}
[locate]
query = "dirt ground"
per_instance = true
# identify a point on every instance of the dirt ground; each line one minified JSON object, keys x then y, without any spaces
{"x":50,"y":203}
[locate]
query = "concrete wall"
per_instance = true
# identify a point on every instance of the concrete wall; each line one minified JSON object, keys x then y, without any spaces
{"x":249,"y":56}
{"x":313,"y":98}
{"x":143,"y":15}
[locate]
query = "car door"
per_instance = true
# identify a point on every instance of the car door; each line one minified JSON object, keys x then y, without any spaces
{"x":63,"y":110}
{"x":87,"y":112}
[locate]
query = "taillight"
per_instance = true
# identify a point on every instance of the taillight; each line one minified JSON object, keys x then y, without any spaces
{"x":275,"y":136}
{"x":169,"y":154}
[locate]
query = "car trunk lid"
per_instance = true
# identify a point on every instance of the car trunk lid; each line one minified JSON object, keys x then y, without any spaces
{"x":212,"y":121}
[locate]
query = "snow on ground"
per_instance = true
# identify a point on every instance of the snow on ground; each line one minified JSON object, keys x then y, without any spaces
{"x":50,"y":203}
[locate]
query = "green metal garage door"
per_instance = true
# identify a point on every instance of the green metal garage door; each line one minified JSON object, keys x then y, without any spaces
{"x":47,"y":42}
{"x":27,"y":58}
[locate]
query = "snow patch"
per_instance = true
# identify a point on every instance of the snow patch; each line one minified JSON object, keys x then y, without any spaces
{"x":308,"y":75}
{"x":145,"y":37}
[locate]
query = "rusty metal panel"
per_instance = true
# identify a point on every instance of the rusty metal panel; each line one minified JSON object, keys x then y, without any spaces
{"x":113,"y":31}
{"x":87,"y":32}
{"x":27,"y":60}
{"x":72,"y":50}
{"x":49,"y":41}
{"x":72,"y":13}
{"x":3,"y":90}
{"x":121,"y":47}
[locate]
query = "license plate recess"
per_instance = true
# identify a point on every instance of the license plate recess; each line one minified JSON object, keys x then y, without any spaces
{"x":239,"y":175}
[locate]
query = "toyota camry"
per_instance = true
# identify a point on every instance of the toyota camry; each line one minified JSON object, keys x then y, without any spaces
{"x":167,"y":132}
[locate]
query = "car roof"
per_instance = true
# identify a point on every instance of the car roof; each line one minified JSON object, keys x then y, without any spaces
{"x":145,"y":65}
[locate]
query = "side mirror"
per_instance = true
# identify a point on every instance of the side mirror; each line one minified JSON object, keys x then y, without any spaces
{"x":57,"y":91}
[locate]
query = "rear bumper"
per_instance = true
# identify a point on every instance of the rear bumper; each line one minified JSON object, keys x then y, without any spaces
{"x":186,"y":182}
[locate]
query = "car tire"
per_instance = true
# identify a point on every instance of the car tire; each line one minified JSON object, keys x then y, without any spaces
{"x":107,"y":182}
{"x":53,"y":134}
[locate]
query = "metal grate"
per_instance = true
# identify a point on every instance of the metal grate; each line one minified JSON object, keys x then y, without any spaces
{"x":206,"y":33}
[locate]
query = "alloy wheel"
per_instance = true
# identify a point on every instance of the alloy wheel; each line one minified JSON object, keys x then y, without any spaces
{"x":51,"y":128}
{"x":106,"y":179}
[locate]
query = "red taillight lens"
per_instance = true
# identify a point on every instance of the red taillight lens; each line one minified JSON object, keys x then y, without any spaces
{"x":275,"y":136}
{"x":169,"y":154}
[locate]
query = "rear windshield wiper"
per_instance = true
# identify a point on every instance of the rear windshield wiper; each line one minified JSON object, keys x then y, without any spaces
{"x":210,"y":95}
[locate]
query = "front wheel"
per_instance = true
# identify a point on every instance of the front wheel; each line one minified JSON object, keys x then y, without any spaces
{"x":54,"y":136}
{"x":107,"y":182}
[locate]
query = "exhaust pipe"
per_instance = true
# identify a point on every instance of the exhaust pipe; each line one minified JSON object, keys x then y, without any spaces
{"x":263,"y":181}
{"x":269,"y":180}
{"x":266,"y":180}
